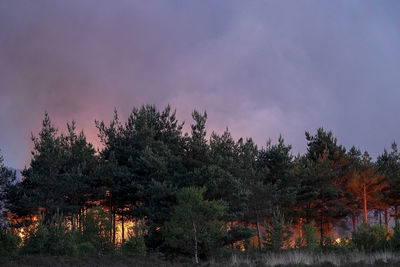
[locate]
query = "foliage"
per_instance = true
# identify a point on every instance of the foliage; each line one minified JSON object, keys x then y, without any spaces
{"x":310,"y":239}
{"x":187,"y":188}
{"x":195,"y":227}
{"x":7,"y":179}
{"x":394,"y":241}
{"x":277,"y":232}
{"x":97,"y":229}
{"x":369,"y":238}
{"x":238,"y":233}
{"x":49,"y":238}
{"x":136,"y":242}
{"x":9,"y":243}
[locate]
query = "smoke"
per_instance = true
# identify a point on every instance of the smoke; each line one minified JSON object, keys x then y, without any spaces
{"x":261,"y":68}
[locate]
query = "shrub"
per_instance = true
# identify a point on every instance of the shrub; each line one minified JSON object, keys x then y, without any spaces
{"x":369,"y":238}
{"x":196,"y":225}
{"x":85,"y":249}
{"x":136,"y":244}
{"x":394,"y":241}
{"x":310,"y":238}
{"x":97,"y":229}
{"x":9,"y":243}
{"x":239,"y":233}
{"x":49,"y":238}
{"x":277,"y":232}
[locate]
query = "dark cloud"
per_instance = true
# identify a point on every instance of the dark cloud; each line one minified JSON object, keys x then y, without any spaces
{"x":260,"y":67}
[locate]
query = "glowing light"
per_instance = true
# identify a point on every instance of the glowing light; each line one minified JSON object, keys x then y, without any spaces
{"x":338,"y":240}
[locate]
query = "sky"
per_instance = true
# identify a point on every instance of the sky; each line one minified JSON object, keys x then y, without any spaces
{"x":261,"y":68}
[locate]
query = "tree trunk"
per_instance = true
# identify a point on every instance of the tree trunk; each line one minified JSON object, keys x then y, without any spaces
{"x":111,"y":221}
{"x":322,"y":229}
{"x":365,"y":204}
{"x":114,"y":228}
{"x":386,"y":220}
{"x":83,"y":218}
{"x":80,"y":220}
{"x":329,"y":230}
{"x":196,"y":258}
{"x":258,"y":234}
{"x":123,"y":228}
{"x":72,"y":223}
{"x":380,"y":217}
{"x":354,"y":222}
{"x":301,"y":229}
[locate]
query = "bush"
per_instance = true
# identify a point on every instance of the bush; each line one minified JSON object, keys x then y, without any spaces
{"x":394,"y":241}
{"x":277,"y":232}
{"x":49,"y":238}
{"x":196,"y":226}
{"x":54,"y":237}
{"x":9,"y":243}
{"x":97,"y":229}
{"x":239,"y":233}
{"x":85,"y":249}
{"x":136,"y":244}
{"x":369,"y":238}
{"x":310,"y":238}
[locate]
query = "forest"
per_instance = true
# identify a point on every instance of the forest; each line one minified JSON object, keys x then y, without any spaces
{"x":151,"y":188}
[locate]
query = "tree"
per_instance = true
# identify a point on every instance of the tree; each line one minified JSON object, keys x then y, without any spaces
{"x":195,"y":226}
{"x":388,"y":164}
{"x":59,"y":177}
{"x":278,"y":232}
{"x":7,"y":178}
{"x":142,"y":162}
{"x":197,"y":153}
{"x":327,"y":163}
{"x":223,"y":183}
{"x":366,"y":183}
{"x":42,"y":188}
{"x":77,"y":174}
{"x":276,"y":168}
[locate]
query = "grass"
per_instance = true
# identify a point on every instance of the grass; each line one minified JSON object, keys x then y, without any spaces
{"x":284,"y":258}
{"x":302,"y":258}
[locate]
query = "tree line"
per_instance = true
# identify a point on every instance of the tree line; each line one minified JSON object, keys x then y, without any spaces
{"x":189,"y":193}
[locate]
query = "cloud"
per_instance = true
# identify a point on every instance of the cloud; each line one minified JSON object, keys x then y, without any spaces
{"x":260,"y":67}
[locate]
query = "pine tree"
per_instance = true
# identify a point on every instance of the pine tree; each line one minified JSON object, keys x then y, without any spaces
{"x":7,"y":179}
{"x":277,"y":232}
{"x":366,"y":183}
{"x":327,"y":165}
{"x":195,"y":226}
{"x":388,"y":164}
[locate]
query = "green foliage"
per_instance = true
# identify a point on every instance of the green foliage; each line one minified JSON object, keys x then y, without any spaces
{"x":54,"y":238}
{"x":369,"y":238}
{"x":58,"y":178}
{"x":388,"y":164}
{"x":195,"y":227}
{"x":49,"y":238}
{"x":239,"y":233}
{"x":85,"y":249}
{"x":9,"y":243}
{"x":277,"y":232}
{"x":7,"y":179}
{"x":394,"y":241}
{"x":310,"y":236}
{"x":321,"y":195}
{"x":185,"y":188}
{"x":136,"y":244}
{"x":97,"y":229}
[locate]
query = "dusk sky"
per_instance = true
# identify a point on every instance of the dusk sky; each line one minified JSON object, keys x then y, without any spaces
{"x":259,"y":67}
